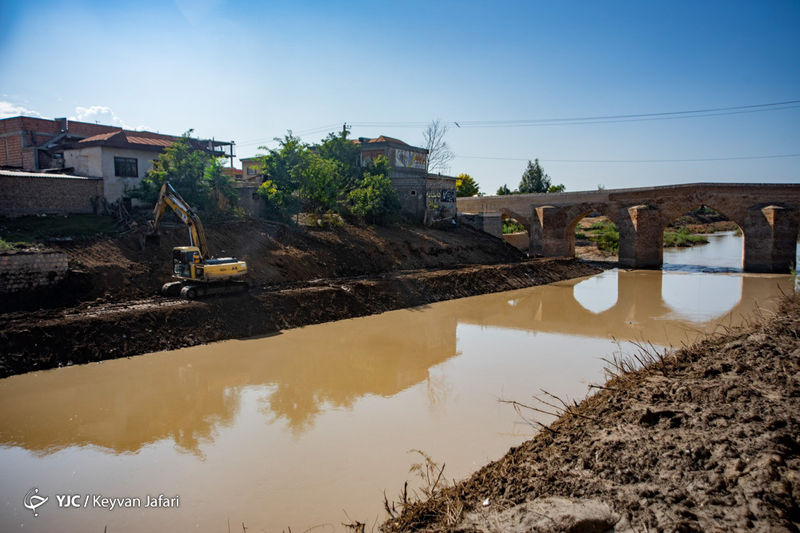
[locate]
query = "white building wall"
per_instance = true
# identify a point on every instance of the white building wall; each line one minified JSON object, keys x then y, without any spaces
{"x":98,"y":161}
{"x":116,"y":186}
{"x":85,"y":161}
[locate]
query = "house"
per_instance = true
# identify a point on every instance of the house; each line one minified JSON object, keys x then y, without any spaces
{"x":423,"y":197}
{"x":33,"y":144}
{"x":120,"y":157}
{"x":251,"y":169}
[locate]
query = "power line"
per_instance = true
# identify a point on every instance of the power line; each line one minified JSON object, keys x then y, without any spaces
{"x":692,"y":160}
{"x":713,"y":111}
{"x":563,"y":121}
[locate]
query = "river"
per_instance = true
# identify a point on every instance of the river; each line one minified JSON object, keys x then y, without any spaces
{"x":309,"y":427}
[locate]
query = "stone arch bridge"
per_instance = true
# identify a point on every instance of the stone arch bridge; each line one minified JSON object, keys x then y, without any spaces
{"x":768,"y":215}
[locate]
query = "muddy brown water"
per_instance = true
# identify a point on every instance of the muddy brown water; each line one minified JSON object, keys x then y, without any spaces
{"x":309,"y":427}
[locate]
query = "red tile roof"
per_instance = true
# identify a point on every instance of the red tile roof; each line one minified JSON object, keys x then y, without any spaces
{"x":133,"y":139}
{"x":383,"y":139}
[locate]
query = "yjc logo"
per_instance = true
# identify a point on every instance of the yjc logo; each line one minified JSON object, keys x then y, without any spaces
{"x":33,"y":501}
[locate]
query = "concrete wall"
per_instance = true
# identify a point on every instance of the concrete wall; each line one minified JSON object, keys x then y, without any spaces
{"x":48,"y":195}
{"x":520,"y":240}
{"x":411,"y":193}
{"x":20,"y":271}
{"x":440,"y":197}
{"x":491,"y":223}
{"x":98,"y":161}
{"x":250,"y":201}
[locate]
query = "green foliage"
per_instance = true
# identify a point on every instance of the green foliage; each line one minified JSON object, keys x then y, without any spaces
{"x":512,"y":226}
{"x":375,"y":200}
{"x":605,"y":235}
{"x":504,"y":190}
{"x":466,"y":186}
{"x":557,"y":188}
{"x":682,"y":237}
{"x":326,"y":178}
{"x":281,"y":203}
{"x":337,"y":147}
{"x":195,"y":174}
{"x":534,"y":179}
{"x":321,"y":184}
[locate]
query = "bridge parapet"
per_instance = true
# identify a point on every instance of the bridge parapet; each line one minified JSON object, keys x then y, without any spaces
{"x":767,"y":213}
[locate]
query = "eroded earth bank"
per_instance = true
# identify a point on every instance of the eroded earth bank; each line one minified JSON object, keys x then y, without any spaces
{"x":704,"y":439}
{"x":108,"y":307}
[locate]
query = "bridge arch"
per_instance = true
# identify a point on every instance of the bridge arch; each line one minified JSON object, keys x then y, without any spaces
{"x":768,"y":214}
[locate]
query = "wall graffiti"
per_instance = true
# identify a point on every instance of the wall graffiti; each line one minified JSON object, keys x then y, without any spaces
{"x":409,"y":159}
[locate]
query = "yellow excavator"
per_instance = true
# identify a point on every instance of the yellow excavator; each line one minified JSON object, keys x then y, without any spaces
{"x":197,"y":274}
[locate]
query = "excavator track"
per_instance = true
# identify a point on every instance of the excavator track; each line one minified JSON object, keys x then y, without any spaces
{"x":190,"y":291}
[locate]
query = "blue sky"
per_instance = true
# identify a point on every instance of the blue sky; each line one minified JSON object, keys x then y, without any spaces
{"x":249,"y":71}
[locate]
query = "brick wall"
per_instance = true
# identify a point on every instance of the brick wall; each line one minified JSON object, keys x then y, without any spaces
{"x":51,"y":195}
{"x":19,"y":134}
{"x":22,"y":271}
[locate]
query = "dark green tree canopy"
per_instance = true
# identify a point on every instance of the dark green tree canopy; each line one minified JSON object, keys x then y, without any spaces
{"x":503,"y":190}
{"x":534,"y":179}
{"x":196,"y":175}
{"x":326,"y":177}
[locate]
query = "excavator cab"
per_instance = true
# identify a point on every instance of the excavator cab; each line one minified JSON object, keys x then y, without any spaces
{"x":184,"y":258}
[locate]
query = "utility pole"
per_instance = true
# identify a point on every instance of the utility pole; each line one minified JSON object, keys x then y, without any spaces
{"x":345,"y":130}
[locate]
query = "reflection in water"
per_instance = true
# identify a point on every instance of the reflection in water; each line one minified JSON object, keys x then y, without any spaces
{"x":289,"y":429}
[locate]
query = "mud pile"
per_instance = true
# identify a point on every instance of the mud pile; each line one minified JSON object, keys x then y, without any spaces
{"x":119,"y":269}
{"x":706,"y":439}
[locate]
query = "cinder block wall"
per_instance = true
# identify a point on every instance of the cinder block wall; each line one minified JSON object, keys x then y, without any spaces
{"x":21,"y":271}
{"x":57,"y":195}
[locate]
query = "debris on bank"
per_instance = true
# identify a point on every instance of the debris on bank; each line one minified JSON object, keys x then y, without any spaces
{"x":703,"y":439}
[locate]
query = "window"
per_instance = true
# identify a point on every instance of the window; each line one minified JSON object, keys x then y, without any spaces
{"x":251,"y":171}
{"x":126,"y":167}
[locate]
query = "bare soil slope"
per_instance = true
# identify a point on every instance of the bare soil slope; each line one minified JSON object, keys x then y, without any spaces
{"x":707,"y":439}
{"x":116,"y":269}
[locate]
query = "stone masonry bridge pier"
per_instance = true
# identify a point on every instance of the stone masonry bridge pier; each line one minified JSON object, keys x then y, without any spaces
{"x":767,"y":213}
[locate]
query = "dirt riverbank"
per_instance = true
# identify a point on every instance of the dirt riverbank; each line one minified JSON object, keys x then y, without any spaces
{"x":705,"y":439}
{"x":119,"y":326}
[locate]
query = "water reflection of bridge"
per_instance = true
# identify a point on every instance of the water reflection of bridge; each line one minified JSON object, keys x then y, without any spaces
{"x":186,"y":395}
{"x":639,"y":312}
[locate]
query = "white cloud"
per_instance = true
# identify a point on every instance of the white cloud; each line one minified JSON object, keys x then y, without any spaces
{"x":98,"y":113}
{"x":8,"y":109}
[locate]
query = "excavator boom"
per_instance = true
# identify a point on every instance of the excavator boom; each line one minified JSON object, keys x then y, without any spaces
{"x":169,"y":197}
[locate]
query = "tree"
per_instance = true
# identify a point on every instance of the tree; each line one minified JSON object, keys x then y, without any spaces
{"x":375,"y":200}
{"x":321,"y":183}
{"x":557,"y":188}
{"x":466,"y":186}
{"x":439,"y":154}
{"x":504,"y":190}
{"x":534,"y":179}
{"x":283,"y":170}
{"x":337,"y":147}
{"x":195,"y":174}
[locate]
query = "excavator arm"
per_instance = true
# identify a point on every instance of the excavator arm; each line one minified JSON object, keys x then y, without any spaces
{"x":169,"y":197}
